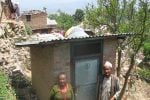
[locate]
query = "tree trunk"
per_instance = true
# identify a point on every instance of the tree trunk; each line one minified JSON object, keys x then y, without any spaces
{"x":1,"y":13}
{"x":127,"y":76}
{"x":119,"y":59}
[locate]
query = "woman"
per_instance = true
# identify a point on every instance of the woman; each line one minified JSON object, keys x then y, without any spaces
{"x":62,"y":90}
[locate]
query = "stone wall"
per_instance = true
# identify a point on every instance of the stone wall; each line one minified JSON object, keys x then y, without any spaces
{"x":109,"y":51}
{"x":38,"y":21}
{"x":62,"y":59}
{"x":10,"y":56}
{"x":47,"y":62}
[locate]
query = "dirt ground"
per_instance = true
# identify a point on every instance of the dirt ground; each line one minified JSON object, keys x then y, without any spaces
{"x":140,"y":91}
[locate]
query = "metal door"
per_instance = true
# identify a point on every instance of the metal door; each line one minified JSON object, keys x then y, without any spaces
{"x":86,"y":71}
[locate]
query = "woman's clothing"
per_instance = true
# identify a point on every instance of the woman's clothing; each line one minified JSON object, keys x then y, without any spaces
{"x":57,"y":94}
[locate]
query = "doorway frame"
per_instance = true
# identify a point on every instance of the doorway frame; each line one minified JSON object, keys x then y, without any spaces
{"x":98,"y":56}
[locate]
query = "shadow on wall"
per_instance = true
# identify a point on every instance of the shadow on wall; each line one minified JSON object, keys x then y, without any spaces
{"x":22,"y":86}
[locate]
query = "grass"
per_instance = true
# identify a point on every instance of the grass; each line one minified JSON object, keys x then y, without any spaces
{"x":6,"y":92}
{"x":144,"y":73}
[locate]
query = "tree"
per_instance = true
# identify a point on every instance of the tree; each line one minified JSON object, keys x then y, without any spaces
{"x":142,"y":16}
{"x":79,"y":15}
{"x":123,"y":16}
{"x":107,"y":13}
{"x":91,"y":16}
{"x":53,"y":16}
{"x":28,"y":29}
{"x":64,"y":20}
{"x":146,"y":50}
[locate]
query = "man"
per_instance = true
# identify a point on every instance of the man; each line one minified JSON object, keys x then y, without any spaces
{"x":108,"y":88}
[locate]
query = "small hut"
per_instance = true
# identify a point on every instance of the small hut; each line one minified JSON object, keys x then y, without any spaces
{"x":81,"y":58}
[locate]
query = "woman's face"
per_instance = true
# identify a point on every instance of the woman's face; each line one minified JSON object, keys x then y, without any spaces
{"x":62,"y":80}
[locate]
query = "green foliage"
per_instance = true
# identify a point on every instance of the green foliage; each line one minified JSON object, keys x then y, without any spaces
{"x":28,"y":29}
{"x":144,"y":73}
{"x":79,"y":15}
{"x":92,"y":15}
{"x":64,"y":21}
{"x":53,"y":16}
{"x":107,"y":13}
{"x":3,"y":82}
{"x":123,"y":16}
{"x":147,"y":50}
{"x":5,"y":89}
{"x":120,"y":16}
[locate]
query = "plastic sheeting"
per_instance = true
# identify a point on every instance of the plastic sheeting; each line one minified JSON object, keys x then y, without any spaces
{"x":75,"y":32}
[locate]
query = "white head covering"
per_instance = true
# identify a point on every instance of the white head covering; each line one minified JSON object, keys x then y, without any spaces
{"x":15,"y":2}
{"x":107,"y":63}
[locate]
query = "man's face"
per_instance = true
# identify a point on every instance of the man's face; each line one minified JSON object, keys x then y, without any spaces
{"x":107,"y":71}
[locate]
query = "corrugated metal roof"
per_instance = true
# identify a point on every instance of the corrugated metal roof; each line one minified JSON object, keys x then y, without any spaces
{"x":46,"y":41}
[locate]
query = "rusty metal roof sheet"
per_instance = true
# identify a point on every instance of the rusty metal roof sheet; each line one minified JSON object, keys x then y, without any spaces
{"x":47,"y":41}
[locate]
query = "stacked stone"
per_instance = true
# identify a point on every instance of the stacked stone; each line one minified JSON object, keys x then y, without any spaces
{"x":11,"y":57}
{"x":12,"y":29}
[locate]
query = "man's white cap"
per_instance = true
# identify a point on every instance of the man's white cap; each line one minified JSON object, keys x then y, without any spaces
{"x":107,"y":63}
{"x":15,"y":2}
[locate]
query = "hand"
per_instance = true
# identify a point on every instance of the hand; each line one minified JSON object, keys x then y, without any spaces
{"x":112,"y":98}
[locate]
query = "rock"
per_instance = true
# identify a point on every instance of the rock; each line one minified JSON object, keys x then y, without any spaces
{"x":2,"y":32}
{"x":1,"y":61}
{"x":10,"y":56}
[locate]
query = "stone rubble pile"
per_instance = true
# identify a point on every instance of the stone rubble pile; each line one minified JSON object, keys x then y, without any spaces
{"x":136,"y":89}
{"x":11,"y":57}
{"x":125,"y":59}
{"x":14,"y":61}
{"x":9,"y":28}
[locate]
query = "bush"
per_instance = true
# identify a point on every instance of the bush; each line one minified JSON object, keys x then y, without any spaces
{"x":3,"y":86}
{"x":6,"y":92}
{"x":28,"y":29}
{"x":147,"y":51}
{"x":145,"y":74}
